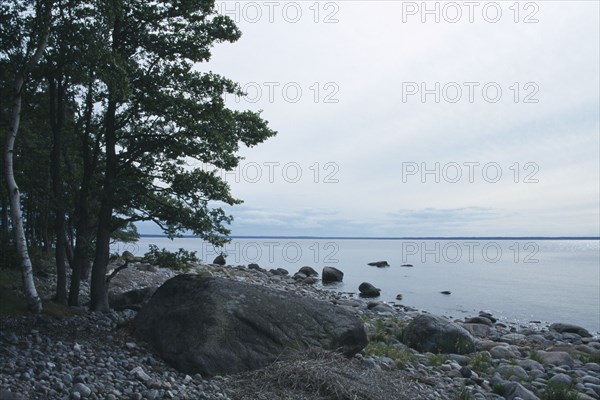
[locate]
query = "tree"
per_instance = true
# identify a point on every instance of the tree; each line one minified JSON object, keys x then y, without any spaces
{"x":24,"y":54}
{"x":160,"y":114}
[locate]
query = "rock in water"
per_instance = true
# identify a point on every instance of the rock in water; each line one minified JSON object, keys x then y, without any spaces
{"x":331,"y":274}
{"x":368,"y":290}
{"x":379,"y":264}
{"x":217,"y":326}
{"x":431,"y":333}
{"x":219,"y":260}
{"x":570,"y":328}
{"x":308,"y":271}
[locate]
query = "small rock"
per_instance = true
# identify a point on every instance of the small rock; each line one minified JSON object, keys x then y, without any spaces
{"x":82,"y":389}
{"x":379,"y":264}
{"x":220,"y":260}
{"x":368,"y":290}
{"x":570,"y":328}
{"x":308,"y":271}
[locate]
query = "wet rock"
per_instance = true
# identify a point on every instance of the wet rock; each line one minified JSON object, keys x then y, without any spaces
{"x":331,"y":274}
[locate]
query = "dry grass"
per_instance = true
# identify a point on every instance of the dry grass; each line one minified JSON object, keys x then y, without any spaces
{"x":320,"y":375}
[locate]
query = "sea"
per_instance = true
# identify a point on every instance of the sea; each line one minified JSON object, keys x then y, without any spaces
{"x":525,"y":281}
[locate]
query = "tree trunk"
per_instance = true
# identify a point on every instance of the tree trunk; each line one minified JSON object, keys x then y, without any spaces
{"x":33,"y":299}
{"x":57,"y":109}
{"x":99,"y":297}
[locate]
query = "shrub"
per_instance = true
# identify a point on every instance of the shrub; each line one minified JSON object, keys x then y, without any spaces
{"x":481,"y":362}
{"x":179,"y":261}
{"x":558,"y":391}
{"x":400,"y":356}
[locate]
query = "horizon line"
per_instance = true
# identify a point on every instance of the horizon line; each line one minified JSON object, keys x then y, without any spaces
{"x":300,"y":237}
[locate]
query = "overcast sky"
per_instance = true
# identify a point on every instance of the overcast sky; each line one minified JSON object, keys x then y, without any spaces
{"x":483,"y":123}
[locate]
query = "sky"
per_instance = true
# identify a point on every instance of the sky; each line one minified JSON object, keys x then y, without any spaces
{"x":403,"y":118}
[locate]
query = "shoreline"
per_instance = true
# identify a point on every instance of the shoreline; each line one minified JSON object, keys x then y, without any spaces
{"x":516,"y":349}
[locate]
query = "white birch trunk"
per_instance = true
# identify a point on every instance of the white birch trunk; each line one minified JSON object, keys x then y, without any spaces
{"x":31,"y":294}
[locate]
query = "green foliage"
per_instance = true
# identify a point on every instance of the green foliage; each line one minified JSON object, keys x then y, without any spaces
{"x":558,"y":391}
{"x":401,"y":356}
{"x":464,"y":394}
{"x":437,"y":359}
{"x":480,"y":362}
{"x":535,"y":356}
{"x":589,"y":358}
{"x":499,"y":389}
{"x":179,"y":261}
{"x":127,"y":234}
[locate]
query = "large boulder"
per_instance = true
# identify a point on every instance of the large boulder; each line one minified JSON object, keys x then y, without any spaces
{"x":132,"y":299}
{"x":431,"y":333}
{"x":217,"y":326}
{"x":570,"y":328}
{"x":331,"y":274}
{"x":368,"y":290}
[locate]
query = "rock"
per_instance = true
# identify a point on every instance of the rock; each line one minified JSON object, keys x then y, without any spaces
{"x":382,"y":308}
{"x":504,"y":352}
{"x":399,"y":296}
{"x":570,"y":328}
{"x":368,"y":290}
{"x":308,"y":271}
{"x":299,"y":276}
{"x":82,"y":389}
{"x":283,"y":271}
{"x":7,"y":395}
{"x":311,"y":280}
{"x":127,"y":255}
{"x":132,"y":299}
{"x":562,"y":379}
{"x":407,"y":265}
{"x":331,"y":274}
{"x":512,"y":370}
{"x":431,"y":333}
{"x":557,"y":358}
{"x":479,"y":330}
{"x":379,"y":264}
{"x":220,"y":260}
{"x":219,"y":326}
{"x":138,"y":373}
{"x":479,"y":320}
{"x":253,"y":266}
{"x":515,"y":390}
{"x":446,"y":292}
{"x":488,"y":316}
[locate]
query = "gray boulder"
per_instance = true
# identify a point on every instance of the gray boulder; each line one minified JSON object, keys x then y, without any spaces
{"x":331,"y":274}
{"x":133,"y":299}
{"x":368,"y":290}
{"x":431,"y":333}
{"x":219,"y":260}
{"x":379,"y":264}
{"x":308,"y":271}
{"x":216,"y":326}
{"x":570,"y":328}
{"x":514,"y":390}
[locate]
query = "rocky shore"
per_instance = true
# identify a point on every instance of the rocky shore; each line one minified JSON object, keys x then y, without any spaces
{"x":95,"y":356}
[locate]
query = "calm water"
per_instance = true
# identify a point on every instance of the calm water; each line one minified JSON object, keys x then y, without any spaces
{"x":516,"y":280}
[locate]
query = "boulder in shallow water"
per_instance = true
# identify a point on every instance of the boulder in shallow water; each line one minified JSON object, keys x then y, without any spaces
{"x":308,"y":271}
{"x":431,"y":333}
{"x":331,"y":274}
{"x":368,"y":290}
{"x":379,"y":264}
{"x":217,"y":326}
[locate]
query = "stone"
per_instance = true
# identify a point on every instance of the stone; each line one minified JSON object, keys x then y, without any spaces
{"x":514,"y":390}
{"x":512,"y":370}
{"x":132,"y":299}
{"x":82,"y":389}
{"x":504,"y":352}
{"x":379,"y":264}
{"x":308,"y":271}
{"x":138,"y":373}
{"x":331,"y":274}
{"x":561,"y":378}
{"x":479,"y":330}
{"x":217,"y":326}
{"x":220,"y":260}
{"x":253,"y":266}
{"x":557,"y":358}
{"x":311,"y":280}
{"x":479,"y":320}
{"x":431,"y":333}
{"x":570,"y":328}
{"x":368,"y":290}
{"x":446,"y":292}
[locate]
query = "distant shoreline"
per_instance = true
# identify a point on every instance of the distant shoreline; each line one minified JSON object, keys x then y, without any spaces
{"x":394,"y":238}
